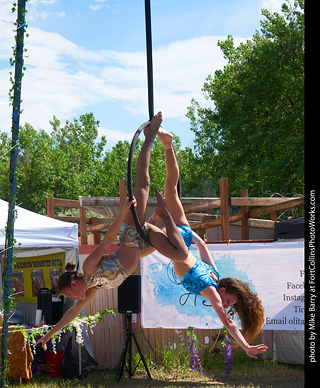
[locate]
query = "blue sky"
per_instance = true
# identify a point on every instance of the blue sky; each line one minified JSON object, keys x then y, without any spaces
{"x":89,"y":56}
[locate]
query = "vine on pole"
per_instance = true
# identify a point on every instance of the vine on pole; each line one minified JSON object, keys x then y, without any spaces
{"x":15,"y":98}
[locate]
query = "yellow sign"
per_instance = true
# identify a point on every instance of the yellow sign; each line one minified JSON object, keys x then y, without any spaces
{"x":30,"y":274}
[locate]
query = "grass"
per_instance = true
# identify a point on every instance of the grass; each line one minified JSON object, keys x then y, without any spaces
{"x":172,"y":371}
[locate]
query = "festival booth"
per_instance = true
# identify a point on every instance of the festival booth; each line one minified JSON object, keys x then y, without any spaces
{"x":43,"y":246}
{"x":42,"y":249}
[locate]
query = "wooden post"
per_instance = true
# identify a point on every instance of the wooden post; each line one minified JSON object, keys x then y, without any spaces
{"x":273,"y":216}
{"x":201,"y":233}
{"x":224,"y":204}
{"x":96,"y":234}
{"x":83,"y":226}
{"x":50,"y":207}
{"x":244,"y":217}
{"x":122,"y":191}
{"x":208,"y":211}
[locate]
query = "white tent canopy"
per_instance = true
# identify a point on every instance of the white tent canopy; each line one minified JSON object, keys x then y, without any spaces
{"x":38,"y":235}
{"x":34,"y":231}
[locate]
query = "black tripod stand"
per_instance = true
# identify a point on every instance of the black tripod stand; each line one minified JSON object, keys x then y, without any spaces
{"x":128,"y":346}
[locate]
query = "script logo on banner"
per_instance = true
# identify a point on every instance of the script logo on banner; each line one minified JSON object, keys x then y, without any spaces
{"x":275,"y":271}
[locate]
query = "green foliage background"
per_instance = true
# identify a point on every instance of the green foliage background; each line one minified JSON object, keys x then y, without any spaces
{"x":252,"y":132}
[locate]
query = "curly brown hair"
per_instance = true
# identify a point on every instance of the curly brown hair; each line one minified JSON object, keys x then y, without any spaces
{"x":248,"y":307}
{"x":65,"y":279}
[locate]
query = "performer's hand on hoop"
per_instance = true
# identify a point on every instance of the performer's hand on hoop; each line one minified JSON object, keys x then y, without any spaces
{"x":132,"y":202}
{"x":127,"y":205}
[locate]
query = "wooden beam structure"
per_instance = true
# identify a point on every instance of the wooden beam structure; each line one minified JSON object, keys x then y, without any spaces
{"x":198,"y":211}
{"x":224,"y":206}
{"x":201,"y":204}
{"x":259,"y":212}
{"x":85,"y":224}
{"x":122,"y":192}
{"x":244,"y":217}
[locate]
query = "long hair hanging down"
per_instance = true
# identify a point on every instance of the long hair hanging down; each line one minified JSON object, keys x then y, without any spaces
{"x":248,"y":307}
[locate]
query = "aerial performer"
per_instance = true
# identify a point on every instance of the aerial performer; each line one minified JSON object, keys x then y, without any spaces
{"x":100,"y":270}
{"x":201,"y":277}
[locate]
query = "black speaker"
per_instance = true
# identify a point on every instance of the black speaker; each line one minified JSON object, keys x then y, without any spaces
{"x":51,"y":307}
{"x":129,"y":295}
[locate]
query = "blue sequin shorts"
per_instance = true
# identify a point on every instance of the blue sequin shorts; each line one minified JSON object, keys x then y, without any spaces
{"x":200,"y":276}
{"x":186,"y":233}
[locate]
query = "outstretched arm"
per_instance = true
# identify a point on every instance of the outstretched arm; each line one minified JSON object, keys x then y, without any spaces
{"x":68,"y":317}
{"x":203,"y":250}
{"x":212,"y":295}
{"x":91,"y":262}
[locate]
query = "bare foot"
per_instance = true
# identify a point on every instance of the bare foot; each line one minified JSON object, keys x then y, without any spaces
{"x":165,"y":138}
{"x":162,"y":210}
{"x":155,"y":217}
{"x":154,"y":125}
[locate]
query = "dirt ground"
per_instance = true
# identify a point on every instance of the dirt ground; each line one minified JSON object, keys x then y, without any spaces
{"x":170,"y":379}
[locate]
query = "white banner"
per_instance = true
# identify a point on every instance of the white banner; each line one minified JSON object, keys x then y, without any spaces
{"x":275,"y":271}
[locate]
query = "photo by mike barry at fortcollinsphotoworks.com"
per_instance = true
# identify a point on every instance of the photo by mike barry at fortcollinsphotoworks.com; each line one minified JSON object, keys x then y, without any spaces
{"x":311,"y":299}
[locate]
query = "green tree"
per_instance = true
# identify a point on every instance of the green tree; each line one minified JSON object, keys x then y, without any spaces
{"x":114,"y":168}
{"x":157,"y":165}
{"x":195,"y":180}
{"x":77,"y":157}
{"x":72,"y":161}
{"x":254,"y":132}
{"x":5,"y":146}
{"x":64,"y":164}
{"x":34,"y":176}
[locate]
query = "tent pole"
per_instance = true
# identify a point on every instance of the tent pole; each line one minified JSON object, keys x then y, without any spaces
{"x":8,"y":257}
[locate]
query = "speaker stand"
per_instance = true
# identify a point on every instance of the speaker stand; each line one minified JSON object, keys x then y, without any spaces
{"x":128,"y":348}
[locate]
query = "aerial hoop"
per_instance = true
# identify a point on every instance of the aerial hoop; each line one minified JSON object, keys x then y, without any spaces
{"x":129,"y":182}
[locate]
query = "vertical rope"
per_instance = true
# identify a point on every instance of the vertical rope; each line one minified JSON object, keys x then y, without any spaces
{"x":150,"y":69}
{"x":149,"y":58}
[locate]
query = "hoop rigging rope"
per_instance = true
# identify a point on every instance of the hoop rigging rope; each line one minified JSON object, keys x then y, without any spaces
{"x":149,"y":58}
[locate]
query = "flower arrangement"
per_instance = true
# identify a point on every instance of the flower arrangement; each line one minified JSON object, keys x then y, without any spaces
{"x":227,"y":354}
{"x":90,"y":320}
{"x":194,"y":359}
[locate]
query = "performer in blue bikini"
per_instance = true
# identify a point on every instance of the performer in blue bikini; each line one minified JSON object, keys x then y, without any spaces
{"x":201,"y":276}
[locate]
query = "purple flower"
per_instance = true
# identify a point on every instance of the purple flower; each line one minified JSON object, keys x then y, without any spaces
{"x":194,"y":359}
{"x":228,"y":355}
